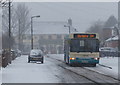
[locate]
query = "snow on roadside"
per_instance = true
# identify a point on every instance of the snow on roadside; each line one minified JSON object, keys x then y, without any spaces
{"x":22,"y":72}
{"x":107,"y":61}
{"x":110,"y":61}
{"x":0,"y":75}
{"x":57,"y":56}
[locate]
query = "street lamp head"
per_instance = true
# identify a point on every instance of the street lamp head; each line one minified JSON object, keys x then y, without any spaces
{"x":35,"y":16}
{"x":38,"y":16}
{"x":65,"y":26}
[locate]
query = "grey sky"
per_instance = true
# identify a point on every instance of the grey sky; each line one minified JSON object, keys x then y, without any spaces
{"x":83,"y":14}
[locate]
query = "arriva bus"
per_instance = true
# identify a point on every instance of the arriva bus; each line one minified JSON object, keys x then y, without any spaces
{"x":81,"y":48}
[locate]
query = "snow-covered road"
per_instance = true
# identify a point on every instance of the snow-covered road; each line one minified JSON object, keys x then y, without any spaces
{"x":22,"y":72}
{"x":50,"y":72}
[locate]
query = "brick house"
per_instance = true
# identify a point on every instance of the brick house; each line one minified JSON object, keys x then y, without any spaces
{"x":106,"y":33}
{"x":113,"y":40}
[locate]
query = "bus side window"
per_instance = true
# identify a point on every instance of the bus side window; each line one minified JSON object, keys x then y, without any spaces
{"x":97,"y":46}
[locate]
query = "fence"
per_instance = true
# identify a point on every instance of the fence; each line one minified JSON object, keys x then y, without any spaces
{"x":0,"y":60}
{"x":7,"y":57}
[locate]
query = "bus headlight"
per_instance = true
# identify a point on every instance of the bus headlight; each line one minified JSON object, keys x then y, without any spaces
{"x":72,"y":58}
{"x":96,"y":58}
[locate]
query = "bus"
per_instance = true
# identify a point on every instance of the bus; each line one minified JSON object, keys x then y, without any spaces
{"x":81,"y":48}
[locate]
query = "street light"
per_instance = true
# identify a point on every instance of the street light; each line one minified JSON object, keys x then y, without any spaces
{"x":68,"y":27}
{"x":32,"y":29}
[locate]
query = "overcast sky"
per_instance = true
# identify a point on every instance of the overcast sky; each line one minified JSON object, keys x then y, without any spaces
{"x":83,"y":14}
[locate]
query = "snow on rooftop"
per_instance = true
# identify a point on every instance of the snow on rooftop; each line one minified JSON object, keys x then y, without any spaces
{"x":111,"y":39}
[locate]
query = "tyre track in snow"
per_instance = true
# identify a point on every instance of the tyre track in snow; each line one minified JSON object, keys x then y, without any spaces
{"x":91,"y":75}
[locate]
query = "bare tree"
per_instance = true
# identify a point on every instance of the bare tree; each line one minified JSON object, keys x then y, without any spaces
{"x":111,"y":21}
{"x":20,"y":22}
{"x":97,"y":27}
{"x":5,"y":24}
{"x":22,"y":13}
{"x":5,"y":21}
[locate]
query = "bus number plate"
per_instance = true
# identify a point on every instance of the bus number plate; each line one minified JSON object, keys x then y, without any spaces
{"x":84,"y":61}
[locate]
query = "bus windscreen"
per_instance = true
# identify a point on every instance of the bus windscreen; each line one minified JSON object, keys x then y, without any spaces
{"x":84,"y":45}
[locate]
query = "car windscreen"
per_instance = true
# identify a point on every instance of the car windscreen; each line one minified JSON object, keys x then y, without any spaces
{"x":84,"y":45}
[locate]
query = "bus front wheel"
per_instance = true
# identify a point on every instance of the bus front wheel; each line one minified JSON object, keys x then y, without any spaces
{"x":94,"y":65}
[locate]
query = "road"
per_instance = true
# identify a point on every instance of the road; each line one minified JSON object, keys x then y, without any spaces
{"x":52,"y":71}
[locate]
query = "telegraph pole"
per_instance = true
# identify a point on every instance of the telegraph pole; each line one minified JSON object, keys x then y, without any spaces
{"x":10,"y":32}
{"x":19,"y":38}
{"x":118,"y":29}
{"x":118,"y":41}
{"x":8,"y":3}
{"x":31,"y":33}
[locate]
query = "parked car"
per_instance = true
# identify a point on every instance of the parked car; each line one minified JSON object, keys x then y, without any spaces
{"x":108,"y":49}
{"x":36,"y":55}
{"x":19,"y":53}
{"x":0,"y":53}
{"x":0,"y":58}
{"x":13,"y":54}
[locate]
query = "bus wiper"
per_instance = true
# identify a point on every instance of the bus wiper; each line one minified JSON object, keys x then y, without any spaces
{"x":91,"y":51}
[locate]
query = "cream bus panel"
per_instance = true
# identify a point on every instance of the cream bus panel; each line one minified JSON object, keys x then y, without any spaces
{"x":84,"y":54}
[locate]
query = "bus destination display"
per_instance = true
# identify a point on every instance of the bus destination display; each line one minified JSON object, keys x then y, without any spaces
{"x":84,"y":35}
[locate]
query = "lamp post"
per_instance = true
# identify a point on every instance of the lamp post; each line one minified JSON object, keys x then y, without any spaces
{"x":68,"y":27}
{"x":32,"y":29}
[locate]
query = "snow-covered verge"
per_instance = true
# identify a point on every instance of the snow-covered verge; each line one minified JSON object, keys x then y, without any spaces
{"x":0,"y":76}
{"x":20,"y":71}
{"x":107,"y":61}
{"x":56,"y":56}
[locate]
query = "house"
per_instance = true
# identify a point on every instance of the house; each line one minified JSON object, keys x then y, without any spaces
{"x":106,"y":33}
{"x":50,"y":43}
{"x":113,"y":40}
{"x":48,"y":36}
